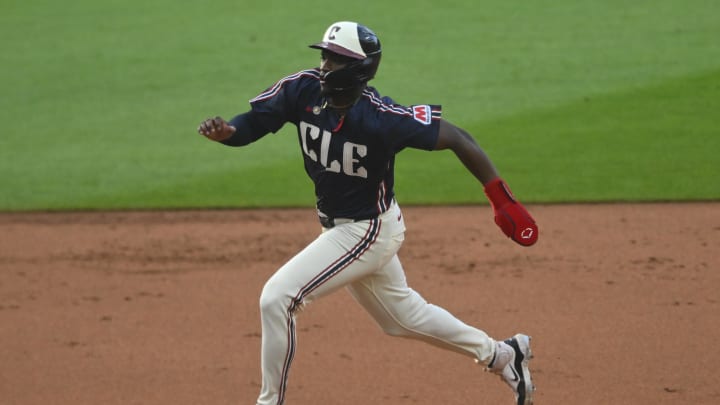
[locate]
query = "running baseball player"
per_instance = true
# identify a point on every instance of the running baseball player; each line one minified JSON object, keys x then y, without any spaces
{"x":349,"y":135}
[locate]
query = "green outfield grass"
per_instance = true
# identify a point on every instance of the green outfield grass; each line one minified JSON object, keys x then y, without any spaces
{"x":572,"y":100}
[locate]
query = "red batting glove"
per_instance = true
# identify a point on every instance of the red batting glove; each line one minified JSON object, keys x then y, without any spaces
{"x":514,"y":220}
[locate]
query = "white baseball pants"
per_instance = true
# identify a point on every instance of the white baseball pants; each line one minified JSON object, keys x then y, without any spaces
{"x":361,"y":256}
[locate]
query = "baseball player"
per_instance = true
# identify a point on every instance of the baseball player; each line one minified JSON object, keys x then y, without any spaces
{"x":349,"y":135}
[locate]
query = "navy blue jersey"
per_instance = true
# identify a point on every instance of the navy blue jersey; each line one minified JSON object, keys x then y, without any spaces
{"x":350,"y":159}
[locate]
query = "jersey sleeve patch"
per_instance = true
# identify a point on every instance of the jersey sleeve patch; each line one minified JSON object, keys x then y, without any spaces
{"x":422,"y":114}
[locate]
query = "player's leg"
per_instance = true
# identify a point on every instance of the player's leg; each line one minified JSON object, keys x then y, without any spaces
{"x":336,"y":258}
{"x":401,"y":311}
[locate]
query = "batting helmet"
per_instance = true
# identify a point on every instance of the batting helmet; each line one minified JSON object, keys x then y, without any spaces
{"x":357,"y":42}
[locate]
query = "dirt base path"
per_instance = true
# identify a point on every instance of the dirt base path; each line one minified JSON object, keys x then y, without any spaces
{"x":622,"y":302}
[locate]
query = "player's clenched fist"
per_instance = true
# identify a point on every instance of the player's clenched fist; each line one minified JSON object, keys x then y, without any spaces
{"x":514,"y":220}
{"x":216,"y":129}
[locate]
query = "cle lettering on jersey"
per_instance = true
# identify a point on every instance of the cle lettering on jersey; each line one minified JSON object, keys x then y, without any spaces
{"x":348,"y":164}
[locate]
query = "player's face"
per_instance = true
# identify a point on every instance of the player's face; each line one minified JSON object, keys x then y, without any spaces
{"x":330,"y":61}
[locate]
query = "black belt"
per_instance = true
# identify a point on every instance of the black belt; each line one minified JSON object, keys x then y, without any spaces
{"x":328,"y":222}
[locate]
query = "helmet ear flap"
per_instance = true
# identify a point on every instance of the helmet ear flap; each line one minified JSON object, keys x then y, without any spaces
{"x":371,"y":65}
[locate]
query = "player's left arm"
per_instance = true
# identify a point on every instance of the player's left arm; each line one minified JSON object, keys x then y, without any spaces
{"x":467,"y":150}
{"x":510,"y":215}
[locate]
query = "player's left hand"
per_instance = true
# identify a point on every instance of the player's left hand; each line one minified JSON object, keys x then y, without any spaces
{"x":511,"y":216}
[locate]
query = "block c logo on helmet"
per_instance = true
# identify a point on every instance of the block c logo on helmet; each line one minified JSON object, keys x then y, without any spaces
{"x":333,"y":30}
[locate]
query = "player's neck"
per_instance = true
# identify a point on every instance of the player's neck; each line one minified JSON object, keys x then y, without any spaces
{"x":343,"y":101}
{"x":341,"y":111}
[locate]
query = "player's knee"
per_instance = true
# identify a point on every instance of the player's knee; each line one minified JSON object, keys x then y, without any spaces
{"x":269,"y":298}
{"x":274,"y":298}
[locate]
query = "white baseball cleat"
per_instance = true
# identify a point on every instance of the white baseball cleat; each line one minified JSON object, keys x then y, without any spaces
{"x":511,"y":363}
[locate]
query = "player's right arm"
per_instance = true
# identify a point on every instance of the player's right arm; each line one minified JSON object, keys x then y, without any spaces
{"x":241,"y":130}
{"x":216,"y":129}
{"x":269,"y":111}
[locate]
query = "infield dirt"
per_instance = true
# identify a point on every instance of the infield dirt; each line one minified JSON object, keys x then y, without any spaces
{"x":157,"y":307}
